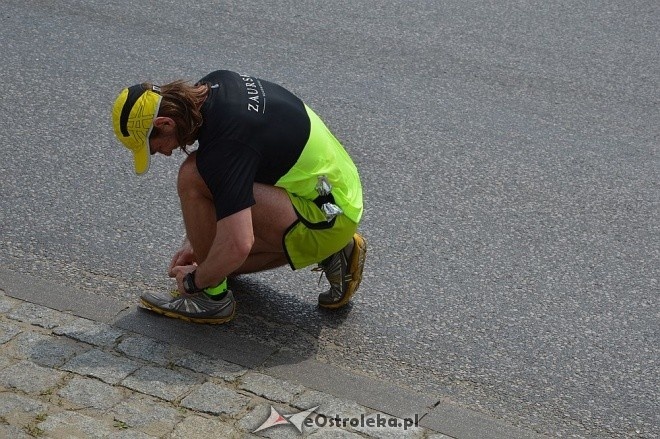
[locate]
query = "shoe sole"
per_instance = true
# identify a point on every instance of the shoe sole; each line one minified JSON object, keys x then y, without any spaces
{"x":356,"y":266}
{"x":208,"y":320}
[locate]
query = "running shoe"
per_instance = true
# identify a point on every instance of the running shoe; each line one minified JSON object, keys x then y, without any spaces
{"x":196,"y":308}
{"x":344,"y":273}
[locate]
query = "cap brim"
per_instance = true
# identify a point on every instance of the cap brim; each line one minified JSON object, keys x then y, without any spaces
{"x":141,"y":160}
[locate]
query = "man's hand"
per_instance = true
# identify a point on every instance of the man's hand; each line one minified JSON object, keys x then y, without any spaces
{"x":182,"y":258}
{"x":179,"y":272}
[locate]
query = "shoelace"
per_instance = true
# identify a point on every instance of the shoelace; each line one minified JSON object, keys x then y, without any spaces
{"x":320,"y":269}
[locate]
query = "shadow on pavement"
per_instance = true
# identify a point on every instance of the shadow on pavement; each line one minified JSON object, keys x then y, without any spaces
{"x":266,"y":322}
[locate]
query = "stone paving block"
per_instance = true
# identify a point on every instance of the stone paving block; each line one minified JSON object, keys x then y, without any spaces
{"x":384,"y":396}
{"x":69,"y":424}
{"x":13,"y":432}
{"x":438,"y":436}
{"x":390,"y":427}
{"x":122,"y":433}
{"x":329,"y":406}
{"x":44,"y":349}
{"x":461,"y":422}
{"x":270,"y":388}
{"x":334,"y":433}
{"x":11,"y":402}
{"x":38,"y":315}
{"x":216,"y":400}
{"x":160,"y":382}
{"x":147,"y":414}
{"x":30,"y":378}
{"x":210,"y":366}
{"x":22,"y":411}
{"x":101,"y":365}
{"x":89,"y":392}
{"x":259,"y":414}
{"x":7,"y":303}
{"x":198,"y":427}
{"x":89,"y":331}
{"x":150,"y":350}
{"x":7,"y":331}
{"x":82,"y":302}
{"x":5,"y":362}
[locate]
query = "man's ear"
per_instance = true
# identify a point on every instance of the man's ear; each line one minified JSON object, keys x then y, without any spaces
{"x":162,"y":122}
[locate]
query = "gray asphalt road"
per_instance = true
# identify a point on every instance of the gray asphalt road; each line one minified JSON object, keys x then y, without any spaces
{"x":509,"y":152}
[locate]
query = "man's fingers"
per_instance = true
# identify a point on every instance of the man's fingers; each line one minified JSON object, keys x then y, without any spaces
{"x":181,"y":258}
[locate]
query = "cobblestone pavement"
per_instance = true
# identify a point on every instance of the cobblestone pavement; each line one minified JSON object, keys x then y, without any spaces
{"x":62,"y":376}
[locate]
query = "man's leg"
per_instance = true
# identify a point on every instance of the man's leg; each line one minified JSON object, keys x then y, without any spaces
{"x":337,"y":248}
{"x":272,"y":215}
{"x":197,"y":208}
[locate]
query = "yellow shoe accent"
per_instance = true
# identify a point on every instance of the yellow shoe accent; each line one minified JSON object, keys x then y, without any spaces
{"x":356,"y":267}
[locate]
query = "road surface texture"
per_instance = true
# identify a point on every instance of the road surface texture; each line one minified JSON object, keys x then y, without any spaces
{"x":509,"y":155}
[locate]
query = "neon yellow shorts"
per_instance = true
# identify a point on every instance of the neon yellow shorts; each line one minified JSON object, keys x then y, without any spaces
{"x":312,"y":238}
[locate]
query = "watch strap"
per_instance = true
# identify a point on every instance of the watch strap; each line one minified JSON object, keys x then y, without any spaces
{"x":189,"y":283}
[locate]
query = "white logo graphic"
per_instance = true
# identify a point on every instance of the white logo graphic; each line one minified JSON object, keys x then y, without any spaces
{"x":276,"y":418}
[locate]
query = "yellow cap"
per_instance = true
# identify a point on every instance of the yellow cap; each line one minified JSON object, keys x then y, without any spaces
{"x":132,"y":119}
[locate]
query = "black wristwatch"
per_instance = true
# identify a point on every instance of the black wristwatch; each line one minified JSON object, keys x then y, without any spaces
{"x":189,"y":284}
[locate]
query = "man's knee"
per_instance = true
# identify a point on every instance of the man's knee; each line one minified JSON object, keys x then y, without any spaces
{"x":189,"y":181}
